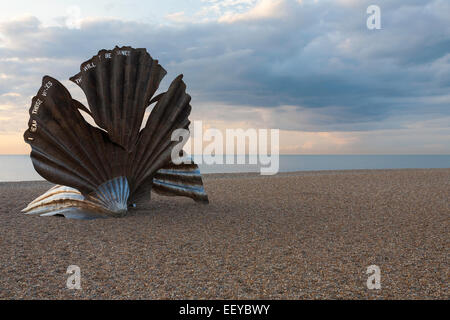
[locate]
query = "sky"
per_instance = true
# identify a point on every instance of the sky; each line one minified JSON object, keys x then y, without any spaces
{"x":310,"y":68}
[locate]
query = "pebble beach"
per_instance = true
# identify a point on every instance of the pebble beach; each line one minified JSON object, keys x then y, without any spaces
{"x":297,"y":235}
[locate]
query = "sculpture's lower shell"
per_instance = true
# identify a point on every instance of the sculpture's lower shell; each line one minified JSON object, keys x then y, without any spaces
{"x":180,"y":180}
{"x":110,"y":200}
{"x":113,"y":196}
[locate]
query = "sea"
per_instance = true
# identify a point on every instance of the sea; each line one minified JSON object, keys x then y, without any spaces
{"x":20,"y":168}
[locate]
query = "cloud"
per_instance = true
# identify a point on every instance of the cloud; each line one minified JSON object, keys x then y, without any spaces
{"x":264,"y":9}
{"x":309,"y":66}
{"x":11,"y":94}
{"x":177,"y":16}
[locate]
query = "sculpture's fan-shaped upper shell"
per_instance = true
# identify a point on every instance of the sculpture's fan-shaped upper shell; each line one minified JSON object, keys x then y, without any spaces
{"x":65,"y":148}
{"x":118,"y":85}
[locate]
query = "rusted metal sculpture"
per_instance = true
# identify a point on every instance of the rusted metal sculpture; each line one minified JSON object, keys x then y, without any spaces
{"x":102,"y":171}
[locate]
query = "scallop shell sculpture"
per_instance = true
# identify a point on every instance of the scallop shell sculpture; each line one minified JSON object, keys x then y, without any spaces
{"x":102,"y":171}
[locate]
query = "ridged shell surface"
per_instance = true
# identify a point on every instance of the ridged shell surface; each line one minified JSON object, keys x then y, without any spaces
{"x":110,"y":199}
{"x":180,"y":180}
{"x":116,"y":162}
{"x":66,"y":201}
{"x":113,"y":195}
{"x":119,"y":85}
